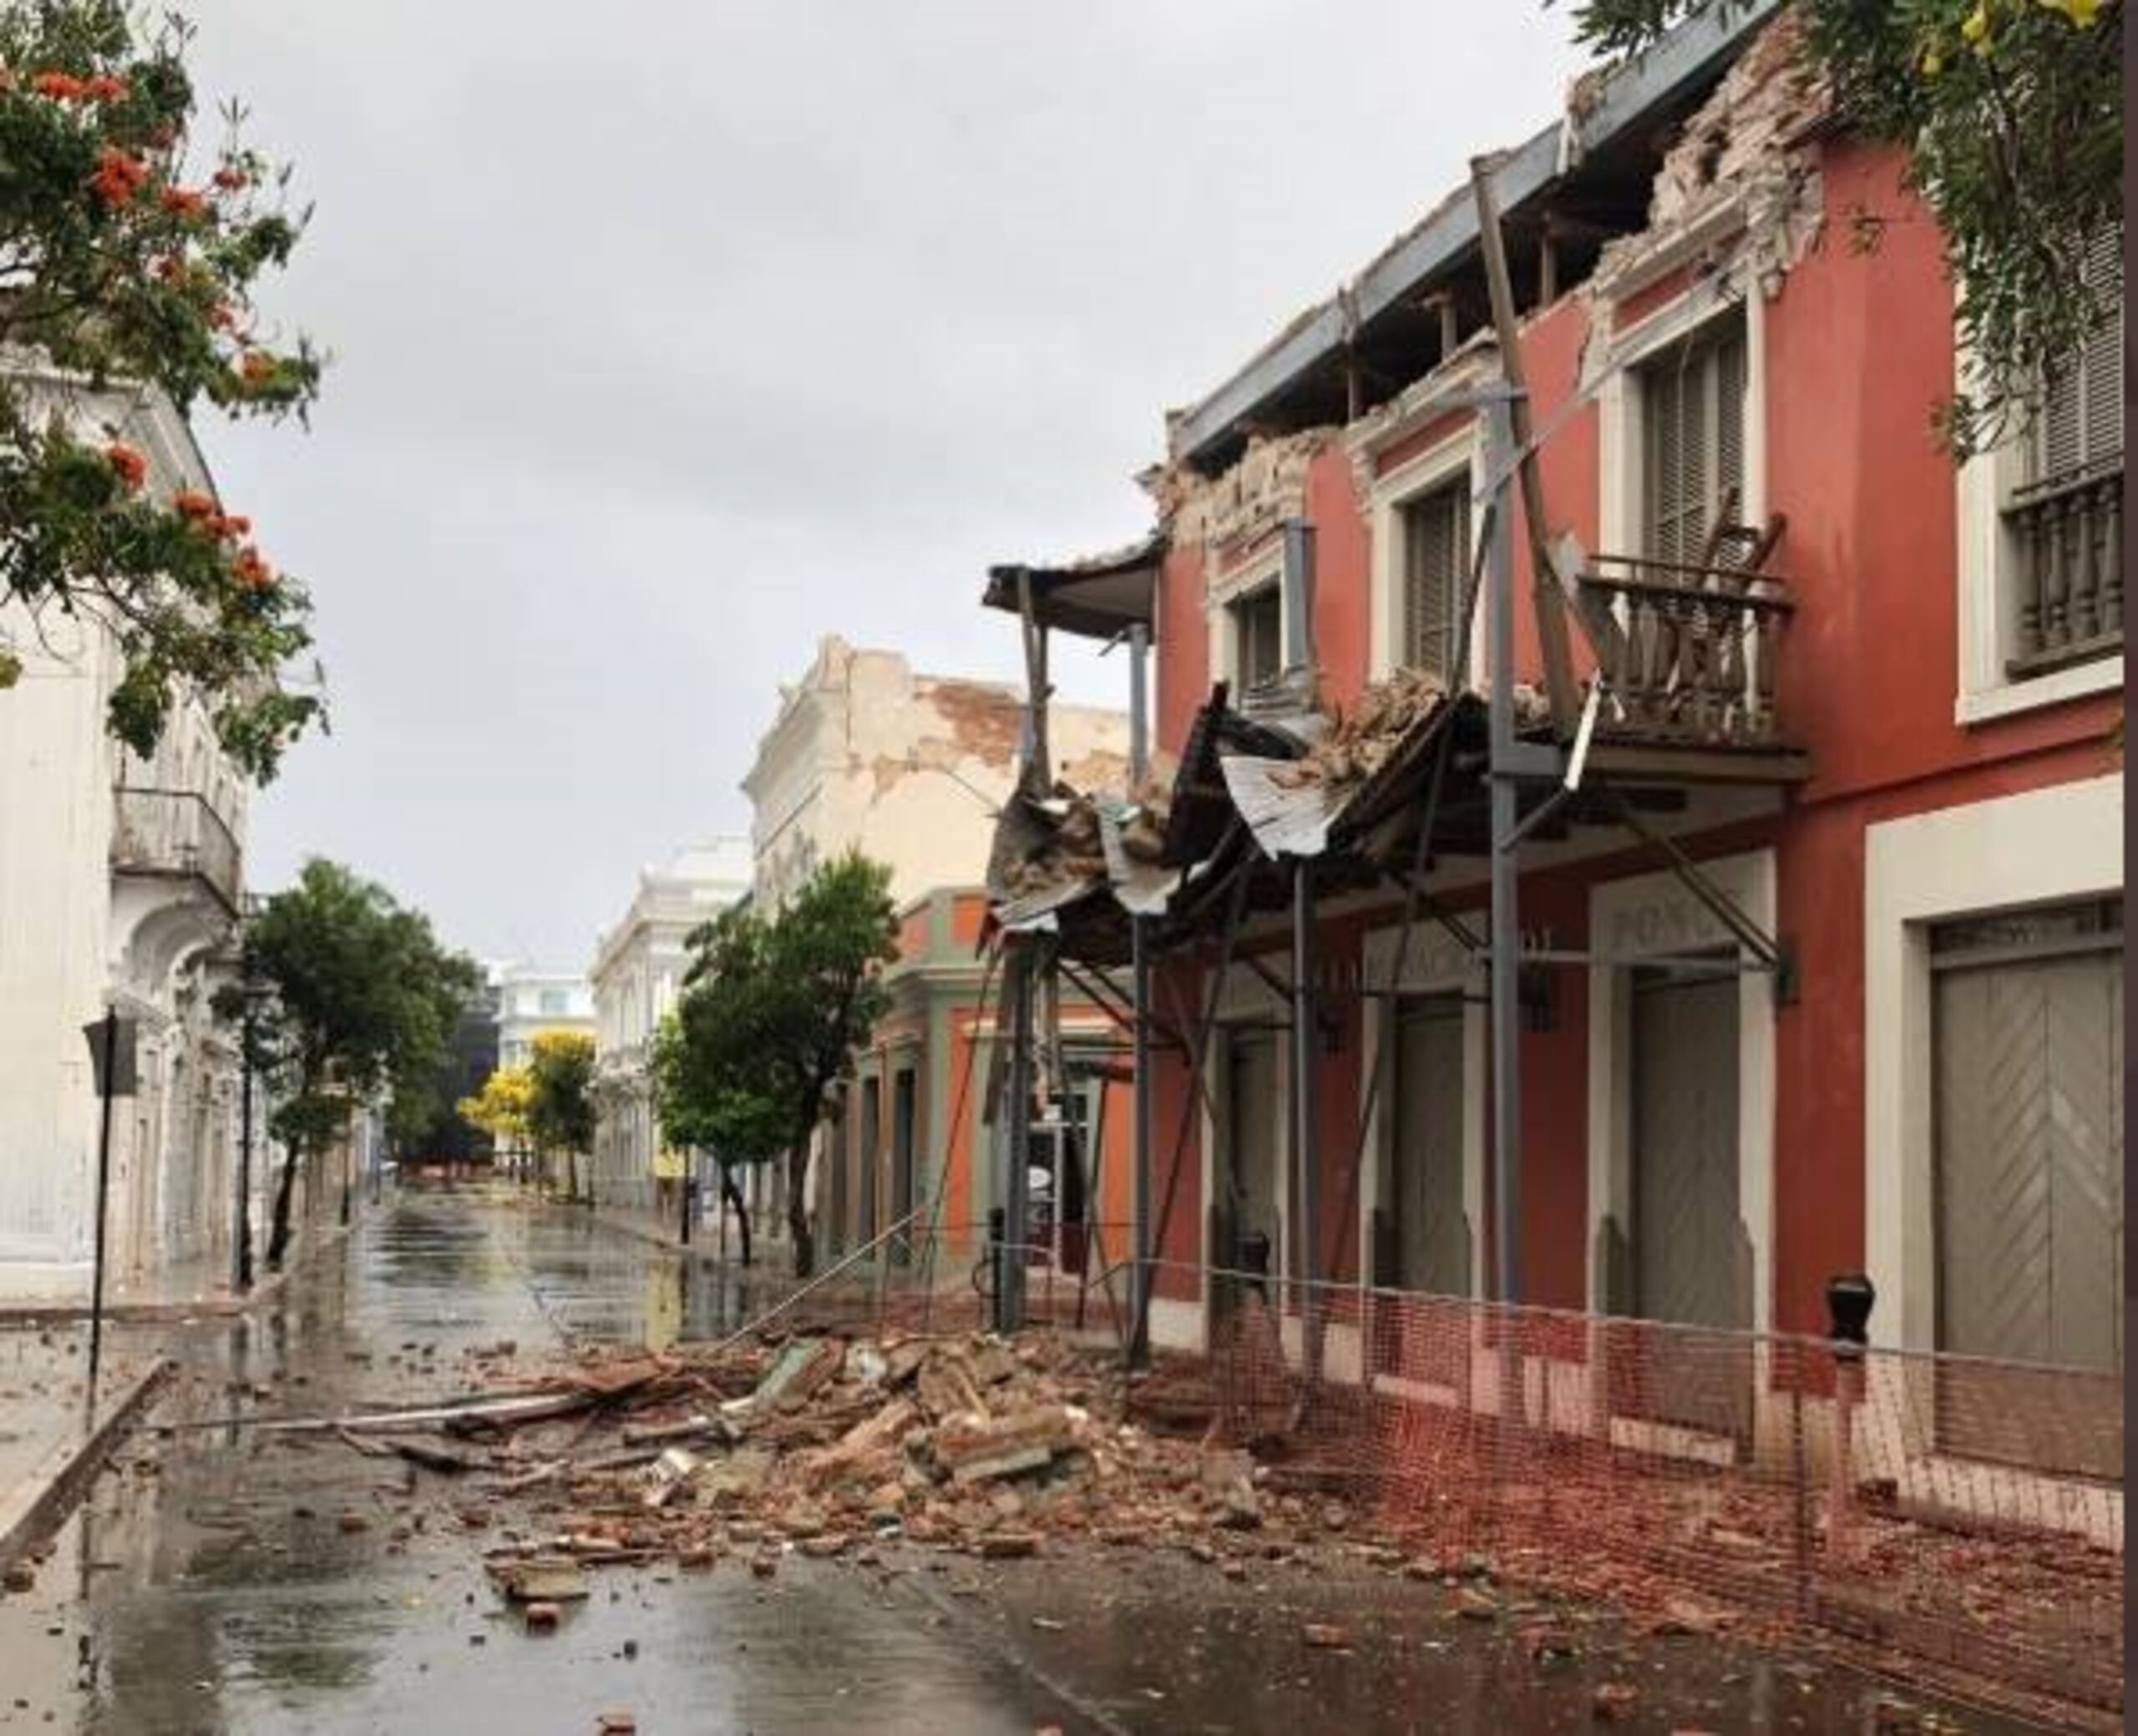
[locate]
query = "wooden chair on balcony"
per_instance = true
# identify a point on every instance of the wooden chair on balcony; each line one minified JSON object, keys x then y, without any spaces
{"x":1683,"y":649}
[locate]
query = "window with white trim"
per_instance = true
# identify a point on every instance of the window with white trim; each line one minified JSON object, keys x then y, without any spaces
{"x":1436,"y":563}
{"x":2064,"y":510}
{"x":1692,"y":436}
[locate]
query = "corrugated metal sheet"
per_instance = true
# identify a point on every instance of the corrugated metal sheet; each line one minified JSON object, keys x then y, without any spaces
{"x":1286,"y":819}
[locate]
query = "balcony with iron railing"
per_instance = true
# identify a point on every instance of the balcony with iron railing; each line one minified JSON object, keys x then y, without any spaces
{"x":176,"y":834}
{"x":2068,"y":531}
{"x":1687,"y":650}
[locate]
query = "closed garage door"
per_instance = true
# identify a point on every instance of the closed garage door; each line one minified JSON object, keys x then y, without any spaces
{"x":1252,"y":1141}
{"x":2027,"y":1045}
{"x":1432,"y":1241}
{"x":1689,"y":1260}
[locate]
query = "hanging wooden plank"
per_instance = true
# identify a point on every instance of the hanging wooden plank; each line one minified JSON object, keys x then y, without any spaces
{"x":1551,"y":618}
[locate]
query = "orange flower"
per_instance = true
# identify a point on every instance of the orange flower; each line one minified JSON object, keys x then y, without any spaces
{"x":183,"y":202}
{"x":105,"y":89}
{"x":237,"y":525}
{"x":132,"y":467}
{"x":256,"y":366}
{"x":118,"y":177}
{"x":252,"y":572}
{"x":61,"y":87}
{"x":231,"y":179}
{"x":192,"y":503}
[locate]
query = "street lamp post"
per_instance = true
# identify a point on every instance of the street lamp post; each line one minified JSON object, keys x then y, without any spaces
{"x":242,"y":1252}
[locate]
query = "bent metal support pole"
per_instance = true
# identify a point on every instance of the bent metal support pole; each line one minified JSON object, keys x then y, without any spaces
{"x":1516,"y":449}
{"x":1506,"y":922}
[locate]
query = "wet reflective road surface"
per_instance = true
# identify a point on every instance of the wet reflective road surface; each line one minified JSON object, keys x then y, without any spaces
{"x":221,"y":1579}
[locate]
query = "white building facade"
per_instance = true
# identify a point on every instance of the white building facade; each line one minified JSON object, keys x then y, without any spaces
{"x":637,"y":974}
{"x":121,"y":883}
{"x":531,"y":1001}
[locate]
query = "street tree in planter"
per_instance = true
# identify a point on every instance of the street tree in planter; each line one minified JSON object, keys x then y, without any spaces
{"x":364,"y":999}
{"x":560,"y":1110}
{"x":131,"y":258}
{"x":2011,"y":112}
{"x":771,"y":1010}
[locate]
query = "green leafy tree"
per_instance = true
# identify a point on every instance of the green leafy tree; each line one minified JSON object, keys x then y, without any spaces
{"x":771,"y":1010}
{"x":702,"y":1106}
{"x":2012,"y":115}
{"x":364,"y":1000}
{"x":129,"y":264}
{"x":560,"y":1110}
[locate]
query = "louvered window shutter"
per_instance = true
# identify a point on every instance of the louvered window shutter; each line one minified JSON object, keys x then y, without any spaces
{"x":1436,"y":561}
{"x":2081,"y":425}
{"x":1727,"y":371}
{"x":1693,"y":412}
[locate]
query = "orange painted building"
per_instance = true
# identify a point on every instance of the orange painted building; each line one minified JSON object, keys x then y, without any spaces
{"x":909,"y":1134}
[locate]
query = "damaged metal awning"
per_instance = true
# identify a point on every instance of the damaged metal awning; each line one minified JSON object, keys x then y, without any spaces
{"x":1099,"y":598}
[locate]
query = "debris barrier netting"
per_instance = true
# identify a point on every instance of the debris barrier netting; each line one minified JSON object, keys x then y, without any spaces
{"x":1943,"y":1517}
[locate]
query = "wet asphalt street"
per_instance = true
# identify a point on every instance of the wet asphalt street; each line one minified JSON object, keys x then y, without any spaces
{"x":221,"y":1580}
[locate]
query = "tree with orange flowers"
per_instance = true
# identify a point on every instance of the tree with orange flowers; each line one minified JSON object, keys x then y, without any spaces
{"x":129,"y":258}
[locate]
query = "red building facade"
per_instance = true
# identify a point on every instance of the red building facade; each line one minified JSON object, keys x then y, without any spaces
{"x":1930,"y":1090}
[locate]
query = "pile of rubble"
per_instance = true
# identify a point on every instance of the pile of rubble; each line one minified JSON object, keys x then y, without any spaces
{"x":833,"y":1448}
{"x":1359,"y":741}
{"x":1071,"y":849}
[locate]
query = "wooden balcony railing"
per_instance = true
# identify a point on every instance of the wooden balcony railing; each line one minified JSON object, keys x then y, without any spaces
{"x":2069,"y":531}
{"x":175,"y":833}
{"x":1687,"y":653}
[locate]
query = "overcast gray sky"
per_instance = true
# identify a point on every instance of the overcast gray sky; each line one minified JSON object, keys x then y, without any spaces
{"x":672,"y":334}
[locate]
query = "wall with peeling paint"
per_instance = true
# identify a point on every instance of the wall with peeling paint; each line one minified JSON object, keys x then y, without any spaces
{"x":907,"y":767}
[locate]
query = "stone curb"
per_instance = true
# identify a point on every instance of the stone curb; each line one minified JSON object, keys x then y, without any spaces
{"x":35,"y":1510}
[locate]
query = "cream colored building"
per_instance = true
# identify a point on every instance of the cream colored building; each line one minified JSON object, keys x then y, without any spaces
{"x":637,"y":973}
{"x":910,"y":768}
{"x":121,"y":881}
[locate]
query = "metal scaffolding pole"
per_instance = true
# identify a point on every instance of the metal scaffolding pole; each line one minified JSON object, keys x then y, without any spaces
{"x":1139,"y":941}
{"x":1009,"y":1293}
{"x":1306,"y":1121}
{"x":1507,"y":921}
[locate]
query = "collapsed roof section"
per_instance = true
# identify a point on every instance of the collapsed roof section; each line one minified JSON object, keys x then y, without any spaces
{"x":1344,"y":787}
{"x":1563,"y":194}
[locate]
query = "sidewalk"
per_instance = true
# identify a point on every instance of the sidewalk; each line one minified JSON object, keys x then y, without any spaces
{"x":50,"y":1446}
{"x":663,"y":1230}
{"x":195,"y":1289}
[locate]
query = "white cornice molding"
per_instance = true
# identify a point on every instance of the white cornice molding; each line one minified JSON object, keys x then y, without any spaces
{"x":1419,"y":405}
